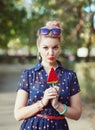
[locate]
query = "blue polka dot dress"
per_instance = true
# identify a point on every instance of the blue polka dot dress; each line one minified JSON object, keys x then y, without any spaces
{"x":33,"y":81}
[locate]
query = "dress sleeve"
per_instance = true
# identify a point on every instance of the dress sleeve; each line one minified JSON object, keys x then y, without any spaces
{"x":24,"y":81}
{"x":74,"y":84}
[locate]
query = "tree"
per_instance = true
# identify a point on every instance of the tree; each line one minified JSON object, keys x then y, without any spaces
{"x":69,"y":13}
{"x":12,"y":21}
{"x":23,"y":20}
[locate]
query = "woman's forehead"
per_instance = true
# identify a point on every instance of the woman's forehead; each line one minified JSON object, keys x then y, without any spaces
{"x":49,"y":41}
{"x":47,"y":38}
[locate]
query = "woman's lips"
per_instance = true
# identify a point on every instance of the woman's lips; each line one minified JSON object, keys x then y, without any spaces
{"x":51,"y":58}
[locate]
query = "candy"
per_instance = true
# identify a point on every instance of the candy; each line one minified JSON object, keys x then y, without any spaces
{"x":52,"y":77}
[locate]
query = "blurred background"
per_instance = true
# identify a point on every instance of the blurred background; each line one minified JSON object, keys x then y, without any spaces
{"x":19,"y":22}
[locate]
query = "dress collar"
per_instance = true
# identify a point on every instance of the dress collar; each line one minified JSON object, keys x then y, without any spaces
{"x":39,"y":65}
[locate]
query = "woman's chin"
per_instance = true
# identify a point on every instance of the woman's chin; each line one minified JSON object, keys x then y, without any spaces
{"x":51,"y":61}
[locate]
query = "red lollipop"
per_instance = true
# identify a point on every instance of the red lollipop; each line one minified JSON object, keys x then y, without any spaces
{"x":52,"y":77}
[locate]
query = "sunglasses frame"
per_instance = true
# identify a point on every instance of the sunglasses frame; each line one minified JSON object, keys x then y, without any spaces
{"x":55,"y":31}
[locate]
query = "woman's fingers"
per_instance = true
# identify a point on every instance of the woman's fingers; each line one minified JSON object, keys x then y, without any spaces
{"x":50,"y":93}
{"x":56,"y":88}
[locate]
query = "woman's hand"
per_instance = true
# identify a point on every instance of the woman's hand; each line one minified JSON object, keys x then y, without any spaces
{"x":54,"y":101}
{"x":49,"y":94}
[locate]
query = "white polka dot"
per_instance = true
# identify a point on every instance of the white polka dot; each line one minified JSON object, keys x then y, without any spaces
{"x":44,"y":127}
{"x":28,"y":127}
{"x":65,"y":125}
{"x":74,"y":82}
{"x":35,"y":96}
{"x":42,"y":85}
{"x":67,"y":87}
{"x":51,"y":121}
{"x":62,"y":90}
{"x":23,"y":80}
{"x":29,"y":75}
{"x":26,"y":84}
{"x":37,"y":78}
{"x":33,"y":86}
{"x":47,"y":126}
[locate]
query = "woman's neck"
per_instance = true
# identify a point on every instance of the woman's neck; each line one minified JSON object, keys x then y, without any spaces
{"x":49,"y":66}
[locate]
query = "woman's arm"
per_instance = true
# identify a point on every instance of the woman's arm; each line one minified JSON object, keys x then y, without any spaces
{"x":21,"y":111}
{"x":75,"y":110}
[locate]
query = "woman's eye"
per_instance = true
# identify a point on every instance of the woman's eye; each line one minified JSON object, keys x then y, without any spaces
{"x":45,"y":48}
{"x":56,"y":47}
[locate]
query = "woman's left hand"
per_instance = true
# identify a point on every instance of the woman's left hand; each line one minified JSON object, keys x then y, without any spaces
{"x":54,"y":101}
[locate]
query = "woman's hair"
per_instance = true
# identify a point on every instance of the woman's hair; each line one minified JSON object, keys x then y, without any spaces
{"x":50,"y":25}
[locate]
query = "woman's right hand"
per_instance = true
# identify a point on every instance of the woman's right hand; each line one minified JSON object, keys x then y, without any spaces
{"x":48,"y":95}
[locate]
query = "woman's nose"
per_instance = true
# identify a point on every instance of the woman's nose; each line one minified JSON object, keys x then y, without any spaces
{"x":51,"y":51}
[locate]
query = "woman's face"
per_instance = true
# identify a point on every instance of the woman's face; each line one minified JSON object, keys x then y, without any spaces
{"x":49,"y":49}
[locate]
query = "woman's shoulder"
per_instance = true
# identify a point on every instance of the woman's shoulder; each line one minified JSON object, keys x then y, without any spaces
{"x":29,"y":70}
{"x":69,"y":72}
{"x":33,"y":69}
{"x":64,"y":69}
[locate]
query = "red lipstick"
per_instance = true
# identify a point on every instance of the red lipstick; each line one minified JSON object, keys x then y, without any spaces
{"x":51,"y":58}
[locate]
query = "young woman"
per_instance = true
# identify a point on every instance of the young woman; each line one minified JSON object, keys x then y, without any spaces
{"x":41,"y":105}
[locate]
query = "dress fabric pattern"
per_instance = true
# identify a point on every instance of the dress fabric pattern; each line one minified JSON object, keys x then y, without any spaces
{"x":34,"y":82}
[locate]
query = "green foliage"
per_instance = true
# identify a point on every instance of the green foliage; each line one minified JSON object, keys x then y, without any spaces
{"x":20,"y":21}
{"x":69,"y":13}
{"x":11,"y":22}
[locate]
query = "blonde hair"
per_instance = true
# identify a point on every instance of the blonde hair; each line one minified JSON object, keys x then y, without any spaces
{"x":50,"y":25}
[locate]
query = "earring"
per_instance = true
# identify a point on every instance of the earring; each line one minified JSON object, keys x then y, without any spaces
{"x":39,"y":56}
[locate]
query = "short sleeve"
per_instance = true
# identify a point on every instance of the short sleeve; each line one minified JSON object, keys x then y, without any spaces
{"x":74,"y":84}
{"x":23,"y":81}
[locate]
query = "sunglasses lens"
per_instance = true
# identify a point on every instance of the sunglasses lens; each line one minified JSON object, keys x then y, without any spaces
{"x":44,"y":31}
{"x":56,"y":31}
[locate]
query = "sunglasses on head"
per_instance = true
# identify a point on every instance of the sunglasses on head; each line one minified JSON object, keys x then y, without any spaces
{"x":46,"y":31}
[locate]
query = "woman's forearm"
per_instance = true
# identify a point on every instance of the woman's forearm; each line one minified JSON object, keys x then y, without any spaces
{"x":28,"y":111}
{"x":72,"y":112}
